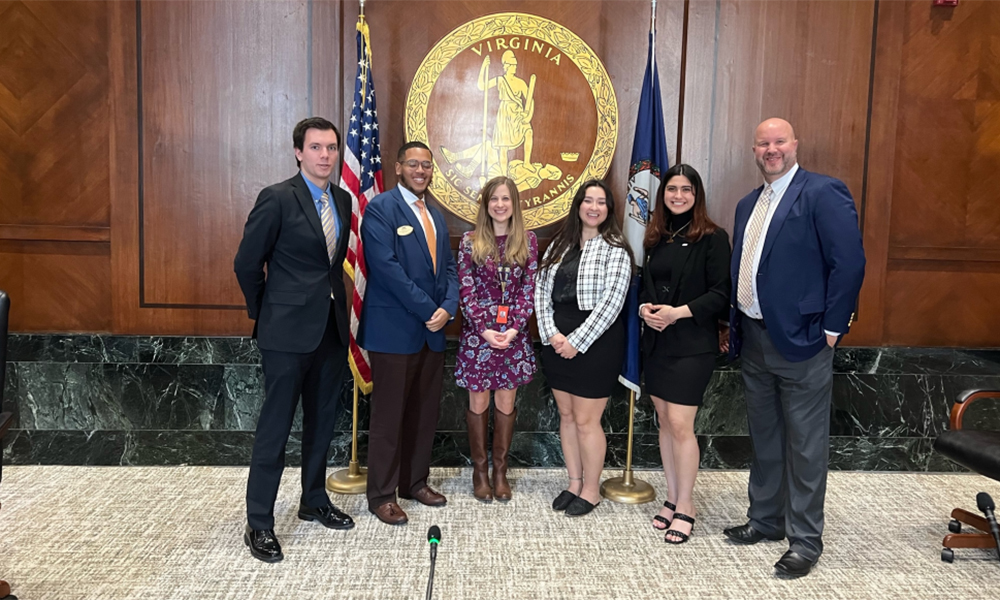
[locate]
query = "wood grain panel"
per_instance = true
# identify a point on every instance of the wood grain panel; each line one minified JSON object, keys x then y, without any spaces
{"x":941,"y":308}
{"x":54,"y":113}
{"x":944,"y":232}
{"x":57,"y":286}
{"x":55,"y":233}
{"x":808,"y":62}
{"x":217,"y":117}
{"x":875,"y":212}
{"x":54,"y":165}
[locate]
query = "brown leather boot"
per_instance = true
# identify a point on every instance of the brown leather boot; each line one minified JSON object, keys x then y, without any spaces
{"x":503,"y":432}
{"x":477,"y":426}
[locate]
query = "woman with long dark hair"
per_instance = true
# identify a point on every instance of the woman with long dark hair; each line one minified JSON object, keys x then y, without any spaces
{"x":579,"y":293}
{"x":685,"y":291}
{"x":496,"y":277}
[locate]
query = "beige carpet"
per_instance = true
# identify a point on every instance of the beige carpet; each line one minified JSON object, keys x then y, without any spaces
{"x":113,"y":533}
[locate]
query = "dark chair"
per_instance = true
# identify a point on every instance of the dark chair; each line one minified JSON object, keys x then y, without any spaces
{"x":978,"y":451}
{"x":6,"y":419}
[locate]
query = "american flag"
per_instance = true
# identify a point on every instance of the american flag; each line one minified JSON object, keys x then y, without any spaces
{"x":361,"y":176}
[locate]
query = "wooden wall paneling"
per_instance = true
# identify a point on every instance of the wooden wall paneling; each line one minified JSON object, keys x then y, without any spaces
{"x":128,"y":316}
{"x":54,"y":169}
{"x":944,"y":304}
{"x":876,"y":210}
{"x":57,"y":286}
{"x":944,"y":231}
{"x":217,"y":117}
{"x":806,"y":61}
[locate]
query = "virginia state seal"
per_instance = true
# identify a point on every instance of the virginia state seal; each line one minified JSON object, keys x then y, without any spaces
{"x":517,"y":95}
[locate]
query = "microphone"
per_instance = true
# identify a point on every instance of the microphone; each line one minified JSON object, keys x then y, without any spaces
{"x":987,"y":507}
{"x":434,"y":538}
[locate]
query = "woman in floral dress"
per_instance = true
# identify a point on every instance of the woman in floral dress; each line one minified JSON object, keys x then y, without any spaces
{"x":496,"y":271}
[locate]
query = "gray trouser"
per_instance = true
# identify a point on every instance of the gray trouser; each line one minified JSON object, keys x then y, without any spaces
{"x":788,"y":410}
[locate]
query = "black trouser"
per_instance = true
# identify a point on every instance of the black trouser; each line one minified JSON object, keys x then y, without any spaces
{"x":317,"y":377}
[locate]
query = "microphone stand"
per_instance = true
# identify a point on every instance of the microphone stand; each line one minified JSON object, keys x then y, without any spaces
{"x":430,"y":579}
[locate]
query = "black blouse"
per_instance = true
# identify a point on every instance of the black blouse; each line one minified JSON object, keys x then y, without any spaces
{"x":564,"y":284}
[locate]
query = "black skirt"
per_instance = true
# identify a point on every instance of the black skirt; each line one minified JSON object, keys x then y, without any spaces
{"x":678,"y":379}
{"x":592,"y":374}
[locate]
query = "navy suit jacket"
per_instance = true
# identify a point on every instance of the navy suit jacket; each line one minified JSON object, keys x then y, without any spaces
{"x":403,"y":290}
{"x":811,"y":266}
{"x":291,"y":305}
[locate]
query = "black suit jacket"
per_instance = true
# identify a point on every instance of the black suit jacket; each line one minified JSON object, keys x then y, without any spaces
{"x":291,"y":304}
{"x":703,"y":283}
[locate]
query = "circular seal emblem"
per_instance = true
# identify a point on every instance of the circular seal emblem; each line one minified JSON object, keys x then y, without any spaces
{"x":517,"y":95}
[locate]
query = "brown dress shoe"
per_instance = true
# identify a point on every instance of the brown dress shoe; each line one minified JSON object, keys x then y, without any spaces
{"x":503,"y":433}
{"x":427,"y":497}
{"x":390,"y":514}
{"x":478,"y":424}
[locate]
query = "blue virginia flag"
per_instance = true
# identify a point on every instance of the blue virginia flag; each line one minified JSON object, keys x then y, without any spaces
{"x":649,"y":159}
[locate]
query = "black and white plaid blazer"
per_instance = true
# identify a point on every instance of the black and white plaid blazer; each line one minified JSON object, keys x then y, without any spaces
{"x":601,"y":285}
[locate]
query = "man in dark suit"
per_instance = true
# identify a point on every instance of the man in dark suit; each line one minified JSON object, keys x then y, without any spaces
{"x":298,"y":228}
{"x":412,"y":293}
{"x":797,"y":269}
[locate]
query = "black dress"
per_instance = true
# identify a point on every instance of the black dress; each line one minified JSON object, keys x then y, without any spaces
{"x":591,"y":374}
{"x":678,"y":362}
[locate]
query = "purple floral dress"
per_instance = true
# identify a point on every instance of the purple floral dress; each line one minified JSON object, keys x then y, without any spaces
{"x":482,"y":368}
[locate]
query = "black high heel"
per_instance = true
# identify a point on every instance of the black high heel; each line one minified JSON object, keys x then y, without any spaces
{"x":674,"y":533}
{"x":661,"y":519}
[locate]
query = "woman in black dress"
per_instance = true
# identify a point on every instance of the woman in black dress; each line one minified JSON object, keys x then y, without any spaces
{"x":685,"y":291}
{"x":579,"y":292}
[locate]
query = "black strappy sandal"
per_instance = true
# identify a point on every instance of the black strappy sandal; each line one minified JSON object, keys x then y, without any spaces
{"x":674,"y":533}
{"x":666,"y":523}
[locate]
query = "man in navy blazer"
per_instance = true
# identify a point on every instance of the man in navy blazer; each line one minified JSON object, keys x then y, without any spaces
{"x":797,"y":269}
{"x":412,"y":293}
{"x":298,"y":231}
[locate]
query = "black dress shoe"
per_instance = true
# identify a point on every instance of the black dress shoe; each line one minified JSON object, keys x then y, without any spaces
{"x":579,"y":507}
{"x":746,"y":534}
{"x":263,"y":544}
{"x":328,"y":516}
{"x":793,"y":564}
{"x":563,"y":500}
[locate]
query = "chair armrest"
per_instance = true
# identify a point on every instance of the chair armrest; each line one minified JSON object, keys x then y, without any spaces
{"x":6,"y":420}
{"x":964,"y":400}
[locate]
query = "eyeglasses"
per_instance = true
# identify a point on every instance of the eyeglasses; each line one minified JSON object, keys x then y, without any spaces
{"x":413,"y":163}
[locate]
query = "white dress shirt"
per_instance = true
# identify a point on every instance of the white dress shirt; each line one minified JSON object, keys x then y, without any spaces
{"x":411,"y":201}
{"x":778,"y":189}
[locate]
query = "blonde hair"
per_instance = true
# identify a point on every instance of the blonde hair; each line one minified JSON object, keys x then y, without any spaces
{"x":484,"y":240}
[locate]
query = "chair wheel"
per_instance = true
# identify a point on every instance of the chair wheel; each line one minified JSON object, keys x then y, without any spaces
{"x":954,"y":526}
{"x":947,"y":555}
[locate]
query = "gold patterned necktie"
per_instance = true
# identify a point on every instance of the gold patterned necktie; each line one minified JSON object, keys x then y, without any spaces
{"x":429,"y":233}
{"x":329,"y":225}
{"x":744,"y":293}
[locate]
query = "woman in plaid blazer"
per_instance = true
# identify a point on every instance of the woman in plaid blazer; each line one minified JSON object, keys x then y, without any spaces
{"x":579,"y":292}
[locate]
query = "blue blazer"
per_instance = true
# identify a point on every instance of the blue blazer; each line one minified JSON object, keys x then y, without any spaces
{"x":403,"y":290}
{"x":811,"y":267}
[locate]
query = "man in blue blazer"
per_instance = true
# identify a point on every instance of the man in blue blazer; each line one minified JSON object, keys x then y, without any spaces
{"x":297,"y":230}
{"x":412,"y":293}
{"x":797,"y":269}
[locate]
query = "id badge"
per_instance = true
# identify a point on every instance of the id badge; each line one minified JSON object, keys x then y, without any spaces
{"x":502,"y":311}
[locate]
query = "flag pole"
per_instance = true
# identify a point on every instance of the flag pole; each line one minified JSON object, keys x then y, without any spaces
{"x":627,"y":489}
{"x":353,"y":479}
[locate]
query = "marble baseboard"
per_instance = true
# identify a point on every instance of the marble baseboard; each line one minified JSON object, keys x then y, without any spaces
{"x":92,"y":399}
{"x":529,"y":449}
